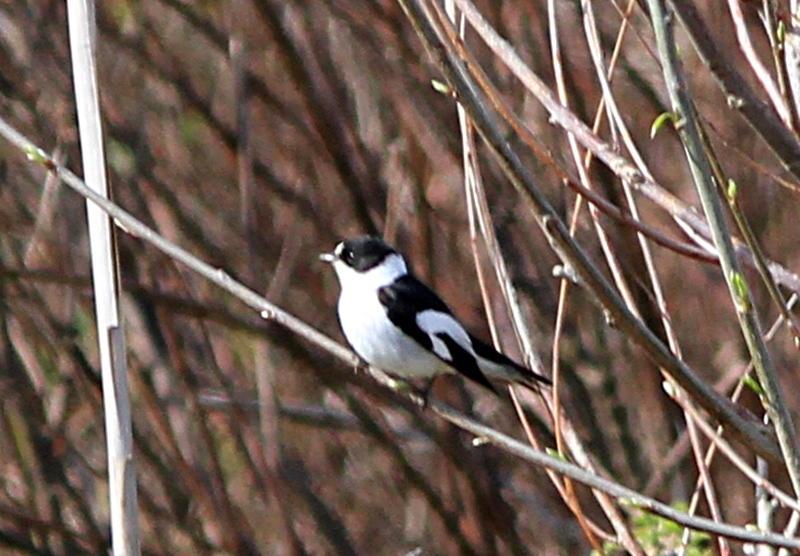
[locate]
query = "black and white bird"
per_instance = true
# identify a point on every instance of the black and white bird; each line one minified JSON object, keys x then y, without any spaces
{"x":396,"y":323}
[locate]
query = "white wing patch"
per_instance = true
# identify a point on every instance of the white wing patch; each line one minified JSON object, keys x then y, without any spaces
{"x":435,"y":322}
{"x":440,"y":348}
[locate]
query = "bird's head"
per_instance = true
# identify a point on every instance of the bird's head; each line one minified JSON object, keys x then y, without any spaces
{"x":365,"y":262}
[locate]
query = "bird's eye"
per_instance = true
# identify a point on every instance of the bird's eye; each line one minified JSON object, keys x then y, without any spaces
{"x":344,"y":254}
{"x":347,"y":256}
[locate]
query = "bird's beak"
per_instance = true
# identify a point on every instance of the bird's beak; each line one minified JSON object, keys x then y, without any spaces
{"x":327,"y":257}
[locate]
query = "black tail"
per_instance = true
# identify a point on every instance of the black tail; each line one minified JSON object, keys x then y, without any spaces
{"x":526,"y":377}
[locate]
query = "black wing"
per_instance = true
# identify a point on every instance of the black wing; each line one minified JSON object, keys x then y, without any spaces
{"x":403,"y":300}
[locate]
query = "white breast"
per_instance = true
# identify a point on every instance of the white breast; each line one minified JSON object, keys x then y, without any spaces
{"x":379,"y":342}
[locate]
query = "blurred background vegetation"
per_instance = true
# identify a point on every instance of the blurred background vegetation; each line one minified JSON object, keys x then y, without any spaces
{"x":257,"y":135}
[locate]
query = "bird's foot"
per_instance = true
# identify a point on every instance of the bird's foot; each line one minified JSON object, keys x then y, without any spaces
{"x":420,"y":396}
{"x":426,"y":392}
{"x":361,"y":366}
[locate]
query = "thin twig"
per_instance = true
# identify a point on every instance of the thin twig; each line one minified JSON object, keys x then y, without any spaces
{"x":746,"y":46}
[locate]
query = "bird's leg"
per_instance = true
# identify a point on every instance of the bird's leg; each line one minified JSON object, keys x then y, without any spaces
{"x":426,"y":391}
{"x":361,"y":366}
{"x":417,"y":395}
